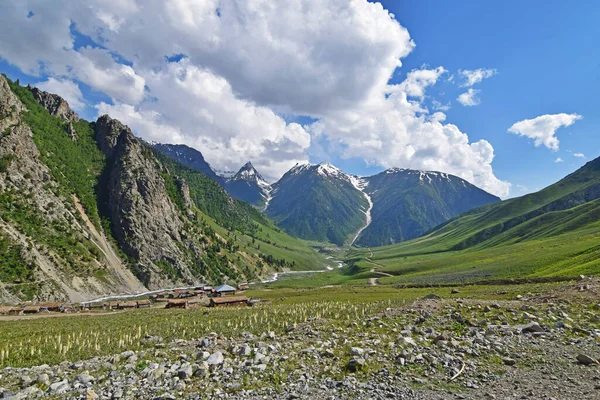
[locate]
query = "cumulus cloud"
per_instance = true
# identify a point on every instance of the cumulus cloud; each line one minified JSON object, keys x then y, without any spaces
{"x":559,"y":160}
{"x":65,"y":88}
{"x":397,"y":132}
{"x":193,"y":106}
{"x":474,"y":76}
{"x":469,"y":98}
{"x":543,"y":129}
{"x":240,"y":60}
{"x":45,"y":46}
{"x":417,"y":81}
{"x":579,"y":155}
{"x":307,"y":57}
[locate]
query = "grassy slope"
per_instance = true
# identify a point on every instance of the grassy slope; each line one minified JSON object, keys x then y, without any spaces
{"x":77,"y":166}
{"x":545,"y":234}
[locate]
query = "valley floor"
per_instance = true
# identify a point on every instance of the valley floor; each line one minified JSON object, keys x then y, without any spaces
{"x":350,"y":342}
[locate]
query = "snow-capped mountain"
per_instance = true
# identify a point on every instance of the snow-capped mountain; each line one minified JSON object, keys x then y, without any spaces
{"x":321,"y":202}
{"x":407,"y":203}
{"x":248,"y":185}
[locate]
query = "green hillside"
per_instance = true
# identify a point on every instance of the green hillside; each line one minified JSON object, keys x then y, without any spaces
{"x":318,"y":202}
{"x":554,"y":232}
{"x":408,"y":203}
{"x":223,"y":236}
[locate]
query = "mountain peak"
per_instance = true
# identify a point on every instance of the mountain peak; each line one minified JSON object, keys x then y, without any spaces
{"x":249,"y":173}
{"x":247,"y":166}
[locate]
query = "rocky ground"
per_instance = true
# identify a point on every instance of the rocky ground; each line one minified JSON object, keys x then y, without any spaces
{"x":532,"y":347}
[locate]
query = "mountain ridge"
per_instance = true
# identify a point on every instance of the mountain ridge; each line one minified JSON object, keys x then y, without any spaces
{"x":87,"y":209}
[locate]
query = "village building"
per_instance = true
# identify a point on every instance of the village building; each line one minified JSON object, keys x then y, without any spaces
{"x":224,"y":290}
{"x":53,"y":307}
{"x":243,"y":287}
{"x":230,"y":301}
{"x":177,"y":303}
{"x":5,"y":310}
{"x":113,"y":305}
{"x":144,"y":303}
{"x":31,"y":310}
{"x":127,"y":305}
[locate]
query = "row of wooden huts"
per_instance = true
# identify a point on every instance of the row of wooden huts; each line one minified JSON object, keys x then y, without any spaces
{"x":220,"y":296}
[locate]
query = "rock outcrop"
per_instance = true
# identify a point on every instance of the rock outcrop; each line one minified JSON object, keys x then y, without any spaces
{"x":35,"y":215}
{"x":55,"y":104}
{"x":145,"y":221}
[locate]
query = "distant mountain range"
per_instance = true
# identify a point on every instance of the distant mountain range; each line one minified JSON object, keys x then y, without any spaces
{"x":320,"y":202}
{"x":549,"y":234}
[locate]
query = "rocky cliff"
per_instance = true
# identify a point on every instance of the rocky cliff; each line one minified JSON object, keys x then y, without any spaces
{"x":88,"y":210}
{"x":38,"y":225}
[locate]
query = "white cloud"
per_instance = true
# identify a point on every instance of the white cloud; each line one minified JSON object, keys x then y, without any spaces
{"x":331,"y":60}
{"x":399,"y":132}
{"x":469,"y":98}
{"x":439,"y":106}
{"x":559,"y":160}
{"x":417,"y":81}
{"x":306,"y":57}
{"x":65,"y":88}
{"x":542,"y":129}
{"x":193,"y":106}
{"x":579,"y":155}
{"x":475,"y":76}
{"x":45,"y":45}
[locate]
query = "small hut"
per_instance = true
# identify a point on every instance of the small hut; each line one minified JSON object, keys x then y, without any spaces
{"x":5,"y":310}
{"x":177,"y":303}
{"x":31,"y":310}
{"x":127,"y":305}
{"x":231,"y":301}
{"x":144,"y":303}
{"x":53,"y":307}
{"x":242,"y":287}
{"x":113,"y":305}
{"x":225,"y":290}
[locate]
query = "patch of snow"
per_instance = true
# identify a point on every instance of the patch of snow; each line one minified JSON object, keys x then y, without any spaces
{"x":360,"y":184}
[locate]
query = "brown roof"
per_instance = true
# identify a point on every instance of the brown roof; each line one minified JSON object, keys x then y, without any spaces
{"x":128,"y":304}
{"x":32,"y":308}
{"x":227,"y":300}
{"x":177,"y":301}
{"x":5,"y":309}
{"x":144,"y":302}
{"x":50,"y":305}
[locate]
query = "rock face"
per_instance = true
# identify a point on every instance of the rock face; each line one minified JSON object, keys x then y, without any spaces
{"x":55,"y":104}
{"x":27,"y":184}
{"x":145,"y":221}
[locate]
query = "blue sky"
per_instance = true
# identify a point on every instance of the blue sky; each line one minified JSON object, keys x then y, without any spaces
{"x":548,"y":61}
{"x":164,"y":78}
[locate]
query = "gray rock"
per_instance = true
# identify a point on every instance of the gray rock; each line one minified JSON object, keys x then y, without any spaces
{"x":356,"y":351}
{"x":118,"y":393}
{"x":215,"y":358}
{"x":355,"y":364}
{"x":84,"y":378}
{"x":185,"y":371}
{"x":60,"y":387}
{"x":509,"y":361}
{"x":43,"y":379}
{"x":586,"y":360}
{"x":245,"y":351}
{"x":532,"y":328}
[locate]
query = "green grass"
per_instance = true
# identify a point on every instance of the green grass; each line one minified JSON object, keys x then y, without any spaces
{"x":550,"y":234}
{"x":53,"y":340}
